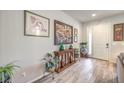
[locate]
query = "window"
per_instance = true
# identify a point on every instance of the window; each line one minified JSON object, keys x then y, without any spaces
{"x":90,"y":42}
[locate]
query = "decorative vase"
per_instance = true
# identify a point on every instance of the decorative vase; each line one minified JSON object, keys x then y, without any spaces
{"x":61,"y":47}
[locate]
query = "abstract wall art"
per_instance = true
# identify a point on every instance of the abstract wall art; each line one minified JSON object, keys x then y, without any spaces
{"x":63,"y":33}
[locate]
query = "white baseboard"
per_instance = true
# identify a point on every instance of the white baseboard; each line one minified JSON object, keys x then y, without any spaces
{"x":35,"y":79}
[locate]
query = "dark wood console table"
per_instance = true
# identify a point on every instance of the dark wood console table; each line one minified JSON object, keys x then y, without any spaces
{"x":66,"y":59}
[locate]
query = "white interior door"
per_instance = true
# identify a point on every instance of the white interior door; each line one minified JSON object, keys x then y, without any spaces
{"x":100,"y":47}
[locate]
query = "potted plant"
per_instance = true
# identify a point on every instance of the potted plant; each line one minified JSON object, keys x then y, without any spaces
{"x":83,"y":44}
{"x":51,"y":62}
{"x":6,"y":72}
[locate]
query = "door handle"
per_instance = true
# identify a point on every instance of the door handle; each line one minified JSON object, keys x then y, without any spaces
{"x":107,"y":45}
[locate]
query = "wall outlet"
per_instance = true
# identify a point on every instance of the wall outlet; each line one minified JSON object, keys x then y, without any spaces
{"x":23,"y":74}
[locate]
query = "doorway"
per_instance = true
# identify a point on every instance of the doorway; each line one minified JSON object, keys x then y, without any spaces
{"x":98,"y":41}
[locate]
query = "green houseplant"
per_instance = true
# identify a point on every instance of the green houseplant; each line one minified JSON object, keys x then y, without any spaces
{"x":83,"y":44}
{"x":51,"y":62}
{"x":6,"y":72}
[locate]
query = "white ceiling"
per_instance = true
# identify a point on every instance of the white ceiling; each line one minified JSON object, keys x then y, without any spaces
{"x":86,"y":15}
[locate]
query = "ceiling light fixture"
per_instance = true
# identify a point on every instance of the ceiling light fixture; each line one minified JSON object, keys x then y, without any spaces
{"x":93,"y":14}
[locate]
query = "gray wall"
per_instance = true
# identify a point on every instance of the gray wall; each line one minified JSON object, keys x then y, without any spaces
{"x":28,"y":50}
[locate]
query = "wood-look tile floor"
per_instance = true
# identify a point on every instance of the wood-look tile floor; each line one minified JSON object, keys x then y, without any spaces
{"x":85,"y":71}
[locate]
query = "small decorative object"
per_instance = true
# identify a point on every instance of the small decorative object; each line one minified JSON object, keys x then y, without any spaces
{"x":118,"y":32}
{"x":70,"y":47}
{"x":83,"y":49}
{"x":61,"y":47}
{"x":63,"y":33}
{"x":75,"y":35}
{"x":6,"y":72}
{"x":36,"y":25}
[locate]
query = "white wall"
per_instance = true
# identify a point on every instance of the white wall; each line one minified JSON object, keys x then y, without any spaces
{"x":115,"y":46}
{"x":28,"y":50}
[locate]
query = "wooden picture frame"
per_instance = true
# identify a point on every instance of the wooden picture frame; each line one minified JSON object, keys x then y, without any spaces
{"x":119,"y":32}
{"x":75,"y":35}
{"x":63,"y":33}
{"x":36,"y":25}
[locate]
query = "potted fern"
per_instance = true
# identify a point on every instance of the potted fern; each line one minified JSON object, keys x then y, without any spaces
{"x":6,"y":72}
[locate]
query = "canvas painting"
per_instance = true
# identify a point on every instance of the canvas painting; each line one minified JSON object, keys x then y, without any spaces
{"x":118,"y":32}
{"x":36,"y":25}
{"x":63,"y":33}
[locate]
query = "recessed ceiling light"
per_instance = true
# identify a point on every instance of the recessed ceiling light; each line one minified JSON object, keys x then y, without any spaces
{"x":93,"y":14}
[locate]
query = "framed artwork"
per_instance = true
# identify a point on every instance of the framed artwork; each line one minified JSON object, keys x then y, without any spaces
{"x":36,"y":25}
{"x":75,"y":35}
{"x":63,"y":33}
{"x":118,"y":32}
